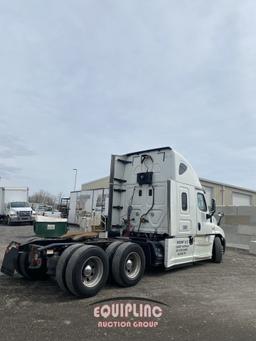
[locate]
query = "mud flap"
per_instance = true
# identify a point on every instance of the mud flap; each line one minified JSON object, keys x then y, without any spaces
{"x":10,"y":259}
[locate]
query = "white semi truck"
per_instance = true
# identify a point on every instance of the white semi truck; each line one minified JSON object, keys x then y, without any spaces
{"x":14,"y":206}
{"x":157,"y":217}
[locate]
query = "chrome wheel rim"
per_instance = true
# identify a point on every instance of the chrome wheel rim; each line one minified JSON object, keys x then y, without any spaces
{"x":132,"y":265}
{"x":92,"y":271}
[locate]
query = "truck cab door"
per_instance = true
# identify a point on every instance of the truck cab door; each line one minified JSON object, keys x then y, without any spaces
{"x":179,"y":249}
{"x":203,"y":238}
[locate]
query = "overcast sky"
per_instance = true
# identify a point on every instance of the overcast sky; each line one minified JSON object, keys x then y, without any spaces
{"x":82,"y":79}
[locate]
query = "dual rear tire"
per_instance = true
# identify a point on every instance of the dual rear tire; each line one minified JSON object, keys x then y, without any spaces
{"x":62,"y":264}
{"x":127,"y":263}
{"x":83,"y":270}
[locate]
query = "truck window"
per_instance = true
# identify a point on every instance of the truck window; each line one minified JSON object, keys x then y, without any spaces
{"x":182,"y":168}
{"x":184,"y":201}
{"x":201,"y":202}
{"x":18,"y":204}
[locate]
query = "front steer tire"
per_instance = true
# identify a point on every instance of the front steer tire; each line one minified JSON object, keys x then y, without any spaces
{"x":60,"y":275}
{"x":128,"y":264}
{"x":87,"y":271}
{"x":217,"y":251}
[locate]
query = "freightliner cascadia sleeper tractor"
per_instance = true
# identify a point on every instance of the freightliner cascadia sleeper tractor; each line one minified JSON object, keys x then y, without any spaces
{"x":158,"y":216}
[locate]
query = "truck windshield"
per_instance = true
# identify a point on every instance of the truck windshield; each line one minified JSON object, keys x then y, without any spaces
{"x":19,"y":204}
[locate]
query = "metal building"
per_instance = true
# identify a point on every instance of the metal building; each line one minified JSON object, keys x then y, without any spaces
{"x":224,"y":194}
{"x":228,"y":195}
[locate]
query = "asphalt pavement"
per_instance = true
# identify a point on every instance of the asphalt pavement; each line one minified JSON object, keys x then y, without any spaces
{"x":204,"y":302}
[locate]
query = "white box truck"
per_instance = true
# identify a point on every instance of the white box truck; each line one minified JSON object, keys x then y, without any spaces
{"x":157,"y":217}
{"x":14,"y":206}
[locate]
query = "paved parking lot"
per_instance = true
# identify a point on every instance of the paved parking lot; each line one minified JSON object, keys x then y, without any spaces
{"x":203,"y":302}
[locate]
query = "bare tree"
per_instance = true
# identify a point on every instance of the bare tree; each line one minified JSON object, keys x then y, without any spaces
{"x":58,"y":198}
{"x":42,"y":197}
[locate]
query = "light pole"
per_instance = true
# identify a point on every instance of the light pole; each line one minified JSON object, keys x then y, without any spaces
{"x":74,"y":169}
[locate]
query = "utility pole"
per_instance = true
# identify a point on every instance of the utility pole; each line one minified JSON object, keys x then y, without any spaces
{"x":75,"y":170}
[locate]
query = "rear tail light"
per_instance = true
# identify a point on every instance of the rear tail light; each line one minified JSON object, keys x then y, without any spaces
{"x":35,"y":259}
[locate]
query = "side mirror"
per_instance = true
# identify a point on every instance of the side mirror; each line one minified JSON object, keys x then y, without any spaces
{"x":213,"y":208}
{"x":221,"y":215}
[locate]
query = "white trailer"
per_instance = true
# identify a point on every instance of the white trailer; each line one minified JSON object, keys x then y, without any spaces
{"x":88,"y":203}
{"x":14,"y":206}
{"x":74,"y":205}
{"x":157,"y":217}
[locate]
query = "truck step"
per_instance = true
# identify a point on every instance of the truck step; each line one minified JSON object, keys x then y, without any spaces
{"x":119,"y":190}
{"x":124,"y":161}
{"x":116,"y":226}
{"x":120,"y":180}
{"x":118,"y":207}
